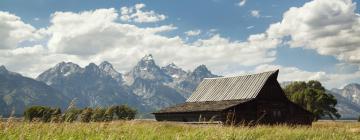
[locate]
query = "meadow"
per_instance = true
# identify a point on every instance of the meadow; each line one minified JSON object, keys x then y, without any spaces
{"x":151,"y":130}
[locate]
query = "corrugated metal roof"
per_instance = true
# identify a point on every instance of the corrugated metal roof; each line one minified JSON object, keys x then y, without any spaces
{"x":230,"y":88}
{"x":201,"y":106}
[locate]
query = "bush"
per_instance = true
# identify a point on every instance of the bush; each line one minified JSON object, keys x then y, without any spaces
{"x":98,"y":115}
{"x":86,"y":114}
{"x":71,"y":115}
{"x":45,"y":114}
{"x":110,"y":113}
{"x":124,"y":112}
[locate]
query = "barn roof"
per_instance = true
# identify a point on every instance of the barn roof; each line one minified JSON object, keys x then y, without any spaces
{"x":202,"y":106}
{"x":230,"y":88}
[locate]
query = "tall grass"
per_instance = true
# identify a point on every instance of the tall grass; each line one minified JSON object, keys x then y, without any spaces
{"x":138,"y":130}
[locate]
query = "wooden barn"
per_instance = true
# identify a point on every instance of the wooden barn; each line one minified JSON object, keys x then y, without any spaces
{"x":256,"y":98}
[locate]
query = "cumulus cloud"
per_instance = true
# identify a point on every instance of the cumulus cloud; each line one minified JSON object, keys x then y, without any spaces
{"x":241,"y":3}
{"x":193,"y":32}
{"x":95,"y":36}
{"x":13,"y":31}
{"x":329,"y":27}
{"x":255,"y":13}
{"x":137,"y":14}
{"x":329,"y":80}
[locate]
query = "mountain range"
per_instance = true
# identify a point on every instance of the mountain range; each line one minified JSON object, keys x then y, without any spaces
{"x":146,"y":87}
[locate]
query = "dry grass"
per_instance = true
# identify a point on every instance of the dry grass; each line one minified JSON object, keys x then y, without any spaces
{"x":130,"y":130}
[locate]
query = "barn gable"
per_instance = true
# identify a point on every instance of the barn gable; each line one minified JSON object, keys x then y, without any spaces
{"x":216,"y":94}
{"x":231,"y":88}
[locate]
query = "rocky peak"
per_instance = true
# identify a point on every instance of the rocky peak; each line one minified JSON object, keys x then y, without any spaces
{"x":146,"y":68}
{"x":173,"y":71}
{"x":62,"y":69}
{"x":108,"y":69}
{"x":200,"y":73}
{"x":201,"y":69}
{"x":352,"y":86}
{"x":66,"y":68}
{"x":3,"y":69}
{"x":92,"y":68}
{"x":146,"y":62}
{"x":105,"y":65}
{"x":148,"y":57}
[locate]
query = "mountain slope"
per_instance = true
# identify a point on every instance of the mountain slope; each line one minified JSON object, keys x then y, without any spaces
{"x":18,"y":92}
{"x":91,"y":86}
{"x":147,"y":69}
{"x":151,"y":84}
{"x":348,"y":100}
{"x":193,"y":79}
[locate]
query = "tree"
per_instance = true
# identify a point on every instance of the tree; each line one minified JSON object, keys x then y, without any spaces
{"x":313,"y":97}
{"x":125,"y":112}
{"x":43,"y":113}
{"x":110,"y":113}
{"x":86,"y":114}
{"x":98,"y":114}
{"x":71,"y":115}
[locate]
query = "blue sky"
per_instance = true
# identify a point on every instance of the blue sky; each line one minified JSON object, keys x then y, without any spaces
{"x":213,"y":23}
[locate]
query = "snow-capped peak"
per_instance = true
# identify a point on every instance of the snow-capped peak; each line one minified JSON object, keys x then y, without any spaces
{"x":106,"y":66}
{"x":172,"y":65}
{"x":109,"y":70}
{"x":2,"y":68}
{"x":148,"y":57}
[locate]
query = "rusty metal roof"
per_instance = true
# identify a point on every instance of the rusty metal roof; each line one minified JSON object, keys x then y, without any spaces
{"x":201,"y":106}
{"x":230,"y":88}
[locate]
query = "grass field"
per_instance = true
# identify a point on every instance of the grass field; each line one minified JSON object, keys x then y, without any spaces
{"x":139,"y":130}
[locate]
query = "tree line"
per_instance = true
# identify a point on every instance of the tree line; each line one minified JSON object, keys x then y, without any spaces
{"x":98,"y":114}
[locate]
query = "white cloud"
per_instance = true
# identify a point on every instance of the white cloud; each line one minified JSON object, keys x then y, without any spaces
{"x":13,"y":31}
{"x":329,"y":80}
{"x":95,"y":36}
{"x":136,"y":14}
{"x":193,"y":32}
{"x":331,"y":27}
{"x":255,"y":13}
{"x":241,"y":3}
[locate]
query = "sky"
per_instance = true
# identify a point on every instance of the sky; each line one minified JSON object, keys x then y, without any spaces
{"x":304,"y":39}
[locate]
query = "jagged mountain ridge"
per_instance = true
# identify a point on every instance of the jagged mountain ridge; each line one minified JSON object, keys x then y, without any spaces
{"x":91,"y":86}
{"x":145,"y":86}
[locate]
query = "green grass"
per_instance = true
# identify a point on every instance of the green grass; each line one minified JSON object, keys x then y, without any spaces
{"x":138,"y":130}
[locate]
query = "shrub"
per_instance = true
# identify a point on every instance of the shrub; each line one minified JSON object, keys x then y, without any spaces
{"x":110,"y":113}
{"x":98,"y":115}
{"x":45,"y":114}
{"x":86,"y":114}
{"x":71,"y":115}
{"x":125,"y":112}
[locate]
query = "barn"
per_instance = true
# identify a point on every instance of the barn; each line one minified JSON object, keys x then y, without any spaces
{"x":256,"y":98}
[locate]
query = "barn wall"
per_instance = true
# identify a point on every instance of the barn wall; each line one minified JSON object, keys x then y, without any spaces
{"x":274,"y":107}
{"x":190,"y":117}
